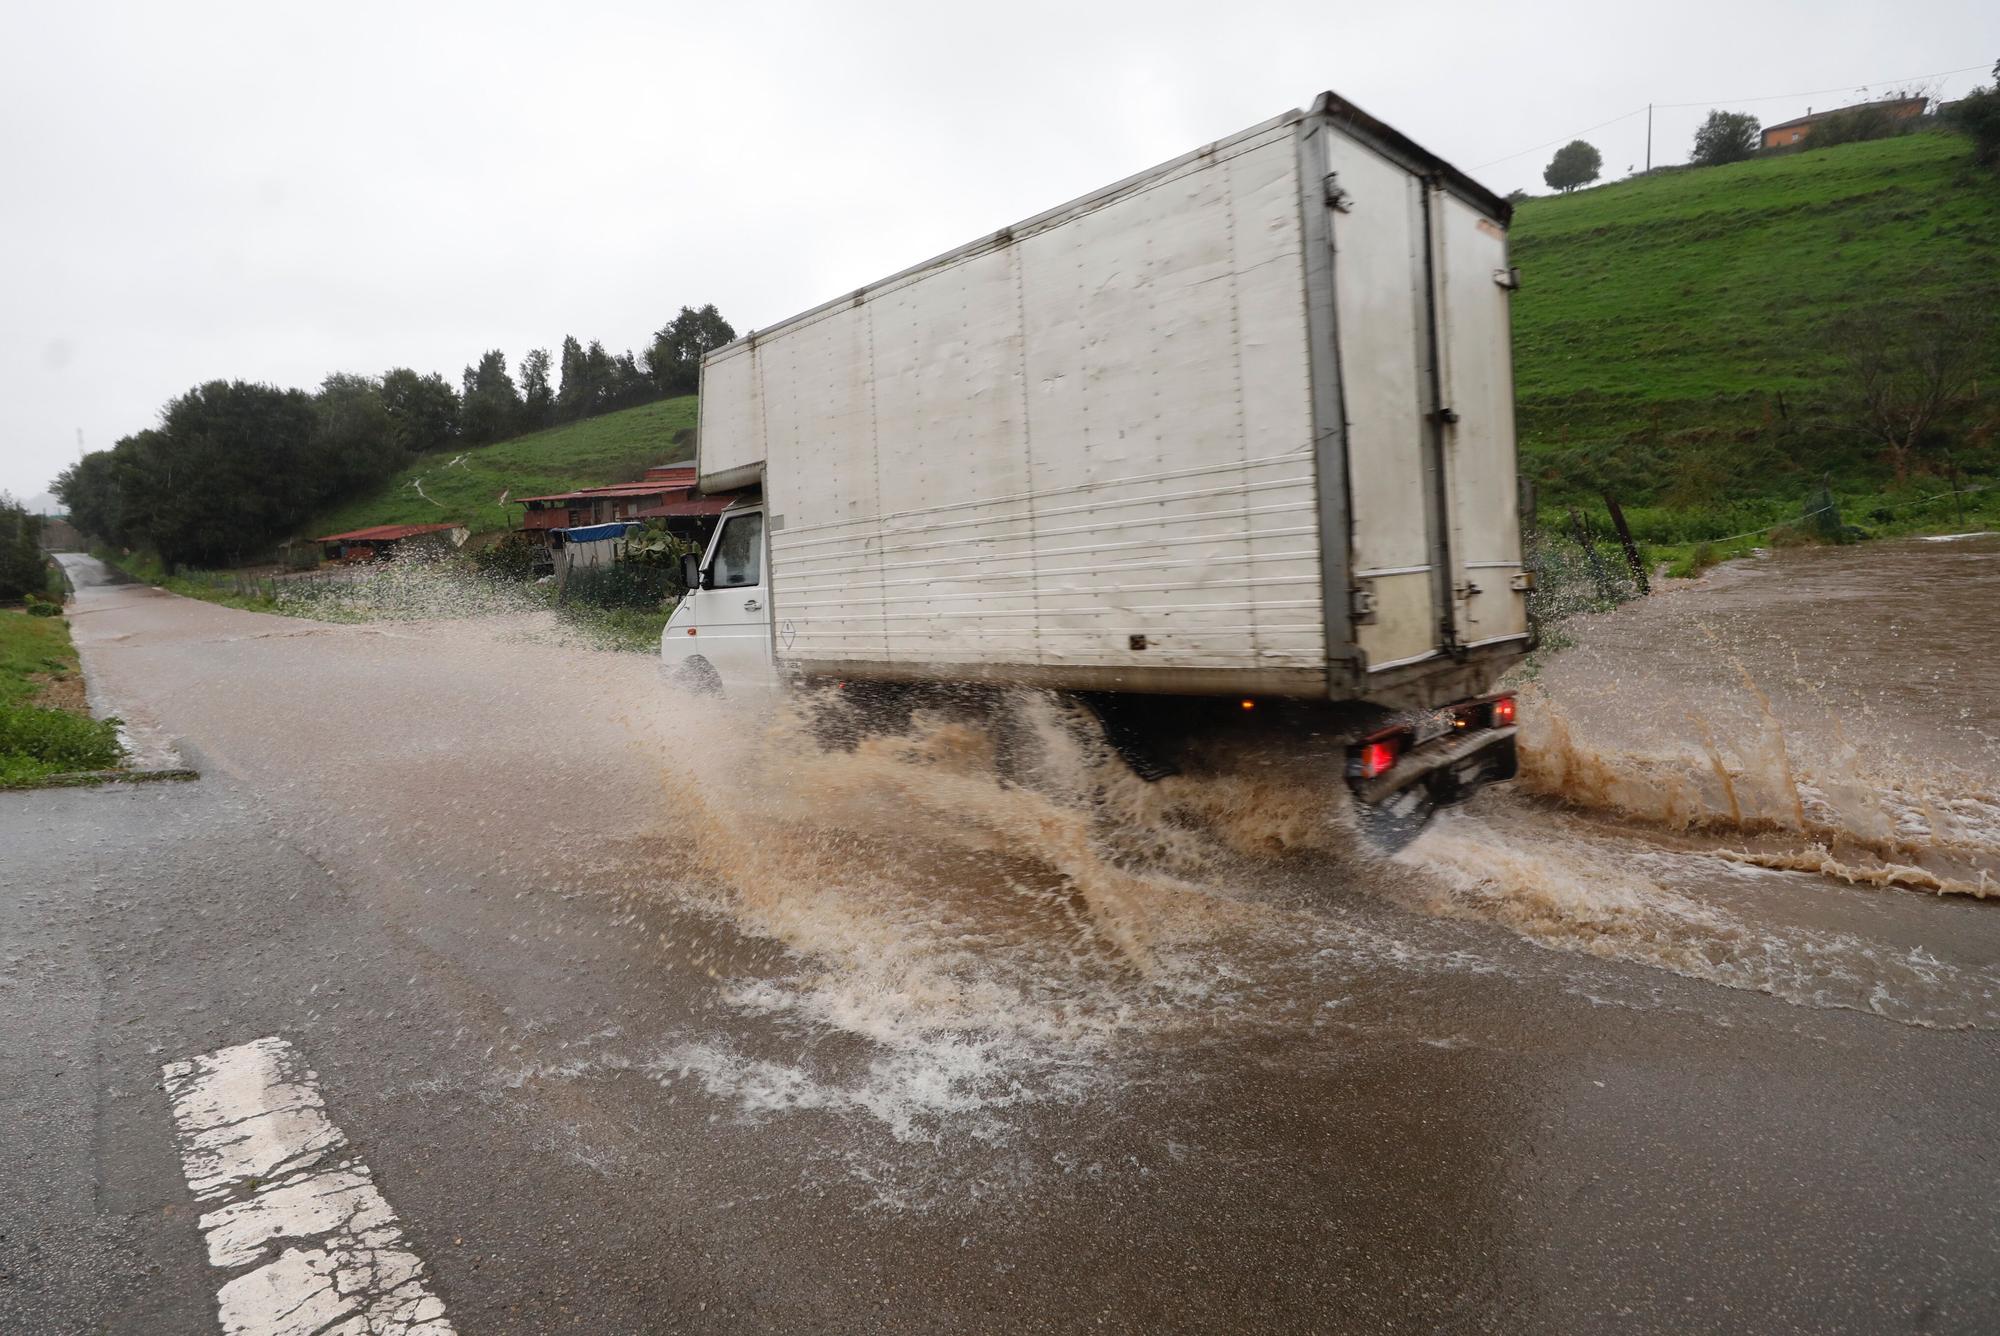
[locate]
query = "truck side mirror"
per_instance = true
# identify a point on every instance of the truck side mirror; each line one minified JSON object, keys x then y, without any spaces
{"x":691,"y":570}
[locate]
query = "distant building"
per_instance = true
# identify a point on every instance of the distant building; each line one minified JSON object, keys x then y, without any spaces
{"x":665,"y":493}
{"x":385,"y":540}
{"x":1786,"y":133}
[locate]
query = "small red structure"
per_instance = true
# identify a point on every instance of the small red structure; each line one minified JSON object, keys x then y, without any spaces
{"x":665,"y":493}
{"x":385,"y":540}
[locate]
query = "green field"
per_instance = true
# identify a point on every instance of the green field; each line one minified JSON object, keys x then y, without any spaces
{"x":1671,"y":332}
{"x":616,"y":447}
{"x":34,"y":652}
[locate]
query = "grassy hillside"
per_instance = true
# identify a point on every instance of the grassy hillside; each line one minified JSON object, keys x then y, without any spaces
{"x":613,"y":448}
{"x":1671,"y":332}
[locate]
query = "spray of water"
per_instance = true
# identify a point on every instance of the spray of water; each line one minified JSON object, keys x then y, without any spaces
{"x":948,"y":937}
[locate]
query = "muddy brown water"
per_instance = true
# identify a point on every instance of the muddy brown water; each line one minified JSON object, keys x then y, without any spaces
{"x":1727,"y":935}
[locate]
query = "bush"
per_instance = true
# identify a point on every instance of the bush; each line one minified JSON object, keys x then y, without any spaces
{"x":23,"y":568}
{"x":514,"y":557}
{"x":1978,"y":115}
{"x":1856,"y":124}
{"x":37,"y":742}
{"x":1697,"y":561}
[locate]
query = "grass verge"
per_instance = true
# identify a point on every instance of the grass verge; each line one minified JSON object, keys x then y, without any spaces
{"x":45,"y":729}
{"x":635,"y":630}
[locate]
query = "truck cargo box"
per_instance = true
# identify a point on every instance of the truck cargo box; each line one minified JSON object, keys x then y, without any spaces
{"x":1242,"y":423}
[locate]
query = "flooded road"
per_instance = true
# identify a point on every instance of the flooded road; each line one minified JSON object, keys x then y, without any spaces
{"x":685,"y":1023}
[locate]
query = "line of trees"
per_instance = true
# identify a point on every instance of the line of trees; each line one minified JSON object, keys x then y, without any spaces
{"x":233,"y":466}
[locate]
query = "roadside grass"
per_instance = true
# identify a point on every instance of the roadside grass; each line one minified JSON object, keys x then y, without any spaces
{"x":616,"y":447}
{"x":40,"y":739}
{"x":35,"y":652}
{"x":635,"y":630}
{"x":1686,"y":542}
{"x":1671,"y":330}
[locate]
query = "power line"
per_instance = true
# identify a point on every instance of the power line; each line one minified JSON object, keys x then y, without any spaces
{"x":1678,"y":106}
{"x":1815,"y":92}
{"x":1564,"y":140}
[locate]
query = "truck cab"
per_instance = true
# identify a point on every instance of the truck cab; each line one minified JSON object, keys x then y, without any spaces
{"x":721,"y":630}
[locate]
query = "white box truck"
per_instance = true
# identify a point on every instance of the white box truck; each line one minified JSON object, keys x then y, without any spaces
{"x":1225,"y":446}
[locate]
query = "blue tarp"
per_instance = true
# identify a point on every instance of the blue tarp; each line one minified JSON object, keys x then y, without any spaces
{"x":596,"y":533}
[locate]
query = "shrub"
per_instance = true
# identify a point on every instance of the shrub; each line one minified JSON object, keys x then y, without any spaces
{"x":1856,"y":124}
{"x":1978,"y":115}
{"x":23,"y":568}
{"x":514,"y":557}
{"x":35,"y":742}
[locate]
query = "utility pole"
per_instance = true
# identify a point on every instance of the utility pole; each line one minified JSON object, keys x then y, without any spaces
{"x":1649,"y":137}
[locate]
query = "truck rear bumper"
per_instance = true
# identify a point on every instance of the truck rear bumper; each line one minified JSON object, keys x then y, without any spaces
{"x":1452,"y":767}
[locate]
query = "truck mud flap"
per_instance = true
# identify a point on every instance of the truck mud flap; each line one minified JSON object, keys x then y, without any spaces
{"x":1394,"y":808}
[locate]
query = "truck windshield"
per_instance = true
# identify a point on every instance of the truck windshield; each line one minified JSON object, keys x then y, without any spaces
{"x":739,"y":556}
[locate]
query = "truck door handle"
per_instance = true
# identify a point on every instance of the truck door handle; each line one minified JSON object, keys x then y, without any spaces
{"x":751,"y":605}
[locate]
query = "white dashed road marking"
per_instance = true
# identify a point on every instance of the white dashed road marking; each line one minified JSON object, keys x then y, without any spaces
{"x":295,"y":1216}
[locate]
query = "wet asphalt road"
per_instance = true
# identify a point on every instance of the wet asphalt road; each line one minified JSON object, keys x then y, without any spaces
{"x":419,"y":866}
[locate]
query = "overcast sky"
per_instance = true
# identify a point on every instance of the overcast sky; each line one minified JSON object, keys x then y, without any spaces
{"x":272,"y":192}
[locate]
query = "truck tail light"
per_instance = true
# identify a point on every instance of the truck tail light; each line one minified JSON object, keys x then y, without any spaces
{"x":1376,"y":758}
{"x":1504,"y":712}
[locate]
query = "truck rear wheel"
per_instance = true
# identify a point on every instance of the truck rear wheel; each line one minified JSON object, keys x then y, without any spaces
{"x":1393,"y":823}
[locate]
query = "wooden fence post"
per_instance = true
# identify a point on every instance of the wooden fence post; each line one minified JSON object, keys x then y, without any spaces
{"x":1631,"y":548}
{"x":1589,"y":546}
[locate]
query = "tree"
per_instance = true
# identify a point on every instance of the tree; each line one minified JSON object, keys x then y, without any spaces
{"x":1518,"y":196}
{"x":1575,"y":164}
{"x":1726,"y":136}
{"x":674,"y":360}
{"x":23,"y":568}
{"x":577,"y":396}
{"x":538,"y":400}
{"x":231,"y":467}
{"x":626,"y":385}
{"x":423,"y":410}
{"x":1909,"y":369}
{"x":353,"y":433}
{"x":88,"y":490}
{"x":490,"y":407}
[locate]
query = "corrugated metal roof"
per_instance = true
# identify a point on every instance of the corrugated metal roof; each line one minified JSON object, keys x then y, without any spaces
{"x":693,"y":505}
{"x":385,"y":533}
{"x":613,"y":489}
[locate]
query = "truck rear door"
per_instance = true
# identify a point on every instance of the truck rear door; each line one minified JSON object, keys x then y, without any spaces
{"x":1422,"y":332}
{"x":1474,"y":287}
